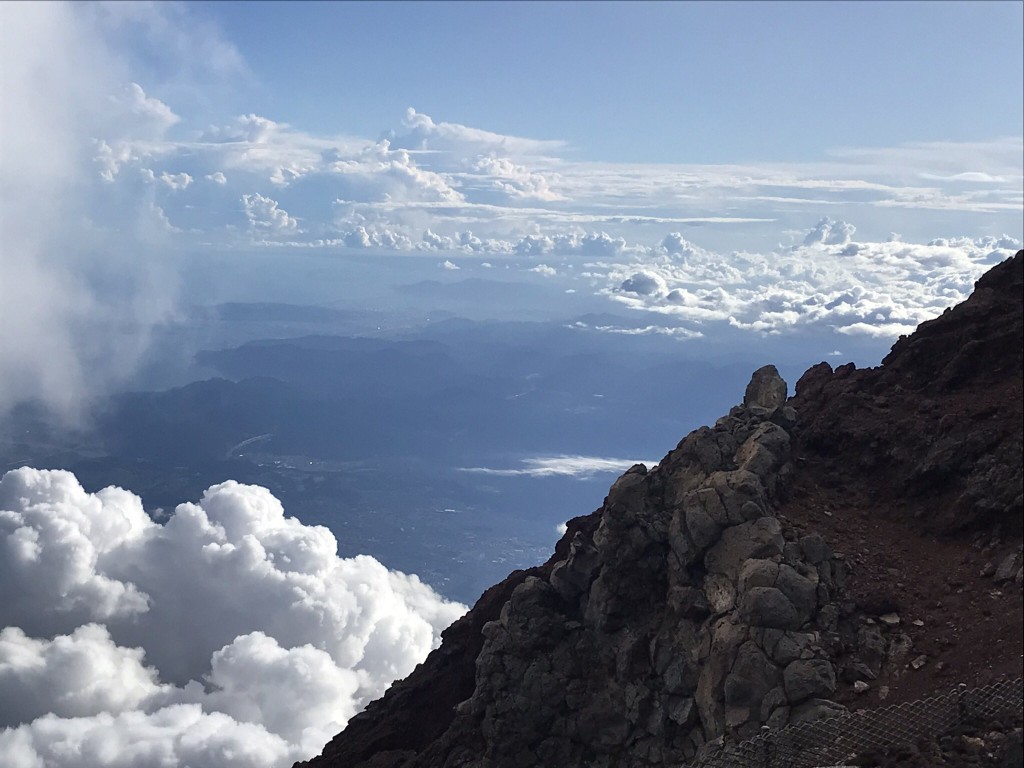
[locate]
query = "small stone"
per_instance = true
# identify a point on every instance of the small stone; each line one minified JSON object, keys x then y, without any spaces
{"x":919,"y":662}
{"x":890,"y":619}
{"x":917,"y":623}
{"x":883,"y":692}
{"x":805,"y":679}
{"x":988,"y":569}
{"x":860,"y":687}
{"x":1007,"y":568}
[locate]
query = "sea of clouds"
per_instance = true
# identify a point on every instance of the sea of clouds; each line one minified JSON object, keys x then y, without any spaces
{"x":227,"y":635}
{"x":827,"y":281}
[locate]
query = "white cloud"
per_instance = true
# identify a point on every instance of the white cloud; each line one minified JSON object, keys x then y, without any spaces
{"x":422,"y":133}
{"x":265,"y":215}
{"x":516,"y":181}
{"x":973,"y":177}
{"x":515,"y":193}
{"x":217,"y":178}
{"x":176,"y":181}
{"x":544,"y":269}
{"x":878,"y":330}
{"x":881,"y":289}
{"x":449,"y":265}
{"x":76,"y":675}
{"x":645,"y":283}
{"x":246,"y":129}
{"x":382,"y":173}
{"x":677,"y":332}
{"x":148,"y":109}
{"x":829,"y":232}
{"x":285,"y":641}
{"x":676,"y":245}
{"x":562,"y":466}
{"x":178,"y":735}
{"x":436,"y":241}
{"x":65,"y":332}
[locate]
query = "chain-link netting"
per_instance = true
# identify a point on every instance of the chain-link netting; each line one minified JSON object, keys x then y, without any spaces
{"x":834,"y":742}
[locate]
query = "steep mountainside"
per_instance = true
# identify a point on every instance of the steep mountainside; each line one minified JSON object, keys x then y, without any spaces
{"x":858,"y":543}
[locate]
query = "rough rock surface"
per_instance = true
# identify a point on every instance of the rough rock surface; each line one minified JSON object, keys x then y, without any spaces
{"x":912,"y":472}
{"x":939,"y":421}
{"x":702,"y":601}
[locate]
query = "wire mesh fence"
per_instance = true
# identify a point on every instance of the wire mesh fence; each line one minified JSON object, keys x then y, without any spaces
{"x":834,"y":742}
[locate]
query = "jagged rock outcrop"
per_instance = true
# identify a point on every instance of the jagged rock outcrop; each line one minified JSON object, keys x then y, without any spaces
{"x":679,"y":613}
{"x":939,"y":421}
{"x":686,"y":611}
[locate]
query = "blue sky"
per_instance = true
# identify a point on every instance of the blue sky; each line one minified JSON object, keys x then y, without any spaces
{"x":643,"y":82}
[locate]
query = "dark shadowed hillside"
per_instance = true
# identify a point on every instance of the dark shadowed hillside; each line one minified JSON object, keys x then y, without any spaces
{"x":855,"y":545}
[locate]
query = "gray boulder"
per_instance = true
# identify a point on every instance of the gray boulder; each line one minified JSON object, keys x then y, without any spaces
{"x":809,"y":678}
{"x":766,"y":389}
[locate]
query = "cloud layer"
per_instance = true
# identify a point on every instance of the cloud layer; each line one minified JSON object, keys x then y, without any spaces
{"x":229,"y":635}
{"x":583,"y":467}
{"x":828,"y":281}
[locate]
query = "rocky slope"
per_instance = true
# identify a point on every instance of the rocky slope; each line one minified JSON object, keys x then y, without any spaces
{"x":844,"y":547}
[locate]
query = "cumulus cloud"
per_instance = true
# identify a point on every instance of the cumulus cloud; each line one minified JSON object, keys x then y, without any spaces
{"x":421,"y":132}
{"x":582,"y":467}
{"x":436,"y":241}
{"x":246,"y":129}
{"x":515,"y":181}
{"x":65,"y":331}
{"x":176,"y":181}
{"x":829,"y":232}
{"x":265,"y":215}
{"x":383,"y":173}
{"x":880,"y":289}
{"x":645,"y":283}
{"x":229,"y":635}
{"x":358,"y":238}
{"x":177,"y":735}
{"x":676,"y":245}
{"x":150,"y":110}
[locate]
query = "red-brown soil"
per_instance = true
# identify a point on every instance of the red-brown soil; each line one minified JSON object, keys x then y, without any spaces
{"x":913,"y":472}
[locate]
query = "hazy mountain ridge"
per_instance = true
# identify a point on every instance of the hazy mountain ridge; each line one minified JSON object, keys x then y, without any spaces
{"x":701,"y":602}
